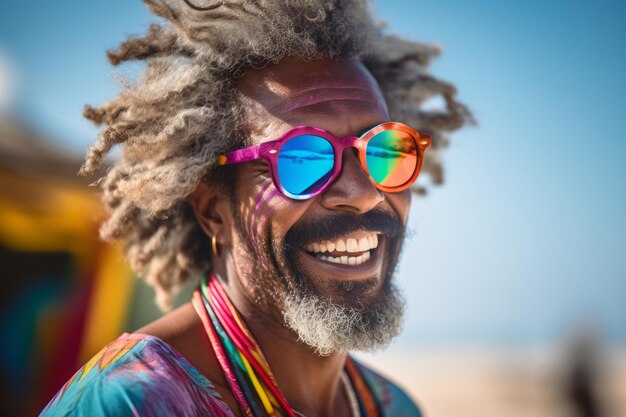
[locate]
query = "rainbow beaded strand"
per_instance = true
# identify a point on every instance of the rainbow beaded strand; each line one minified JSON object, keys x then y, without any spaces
{"x":244,"y":365}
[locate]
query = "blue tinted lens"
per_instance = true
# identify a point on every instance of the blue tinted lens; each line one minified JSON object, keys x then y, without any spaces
{"x":305,"y":163}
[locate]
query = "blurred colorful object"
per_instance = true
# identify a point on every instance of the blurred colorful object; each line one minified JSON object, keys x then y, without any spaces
{"x":65,"y":294}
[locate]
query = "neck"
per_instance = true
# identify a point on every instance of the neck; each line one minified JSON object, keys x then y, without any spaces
{"x":310,"y":383}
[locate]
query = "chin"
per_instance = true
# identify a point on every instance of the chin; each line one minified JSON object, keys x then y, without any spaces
{"x":341,"y":321}
{"x":356,"y":293}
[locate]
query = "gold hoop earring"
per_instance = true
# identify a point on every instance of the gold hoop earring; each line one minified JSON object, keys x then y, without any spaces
{"x":214,"y":246}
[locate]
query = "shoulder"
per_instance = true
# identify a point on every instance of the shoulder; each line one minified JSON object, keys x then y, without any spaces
{"x":137,"y":375}
{"x":394,"y":401}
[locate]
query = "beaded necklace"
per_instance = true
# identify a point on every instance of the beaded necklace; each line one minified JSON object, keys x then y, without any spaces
{"x":247,"y":371}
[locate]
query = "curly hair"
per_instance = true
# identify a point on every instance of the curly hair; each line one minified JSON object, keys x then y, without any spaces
{"x":185,"y":110}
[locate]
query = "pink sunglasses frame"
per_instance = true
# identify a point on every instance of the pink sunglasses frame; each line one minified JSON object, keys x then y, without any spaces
{"x":270,"y":151}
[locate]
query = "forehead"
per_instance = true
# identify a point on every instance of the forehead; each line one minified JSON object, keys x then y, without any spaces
{"x":339,"y":96}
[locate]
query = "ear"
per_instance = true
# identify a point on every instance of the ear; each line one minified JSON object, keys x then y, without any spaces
{"x":212,"y":209}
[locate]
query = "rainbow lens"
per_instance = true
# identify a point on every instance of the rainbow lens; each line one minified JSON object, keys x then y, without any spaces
{"x":391,"y":157}
{"x":305,"y":163}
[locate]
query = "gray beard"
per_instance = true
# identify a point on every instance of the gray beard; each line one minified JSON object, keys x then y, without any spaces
{"x":320,"y":323}
{"x":329,"y":327}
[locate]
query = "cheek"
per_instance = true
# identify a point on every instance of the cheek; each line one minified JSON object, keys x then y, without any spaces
{"x":262,"y":210}
{"x":262,"y":203}
{"x":401,"y":203}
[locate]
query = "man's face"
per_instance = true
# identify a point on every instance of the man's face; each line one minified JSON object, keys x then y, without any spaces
{"x":282,"y":246}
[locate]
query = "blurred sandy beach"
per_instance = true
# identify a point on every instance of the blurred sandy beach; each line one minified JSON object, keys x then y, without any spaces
{"x":512,"y":382}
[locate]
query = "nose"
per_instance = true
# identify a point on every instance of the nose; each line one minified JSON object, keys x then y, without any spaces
{"x":352,"y":191}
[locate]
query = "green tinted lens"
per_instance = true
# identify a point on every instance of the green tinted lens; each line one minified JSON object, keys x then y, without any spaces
{"x":391,"y":157}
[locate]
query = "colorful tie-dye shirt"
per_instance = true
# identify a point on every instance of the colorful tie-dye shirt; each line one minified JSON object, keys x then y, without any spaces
{"x":141,"y":375}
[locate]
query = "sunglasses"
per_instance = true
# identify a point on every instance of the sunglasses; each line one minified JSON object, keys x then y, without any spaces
{"x":306,"y":160}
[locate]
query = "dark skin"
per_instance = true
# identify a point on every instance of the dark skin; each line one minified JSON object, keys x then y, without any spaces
{"x":344,"y":99}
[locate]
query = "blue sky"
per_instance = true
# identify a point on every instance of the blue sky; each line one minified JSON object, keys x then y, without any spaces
{"x":526,"y":238}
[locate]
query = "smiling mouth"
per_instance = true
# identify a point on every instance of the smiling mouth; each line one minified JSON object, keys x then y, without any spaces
{"x":351,"y":250}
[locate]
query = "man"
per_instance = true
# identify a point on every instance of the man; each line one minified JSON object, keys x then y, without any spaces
{"x":260,"y":157}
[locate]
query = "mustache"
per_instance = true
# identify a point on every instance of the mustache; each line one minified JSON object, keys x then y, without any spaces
{"x":337,"y":225}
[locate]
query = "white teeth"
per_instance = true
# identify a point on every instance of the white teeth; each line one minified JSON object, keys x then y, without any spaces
{"x":352,"y":246}
{"x":347,"y":260}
